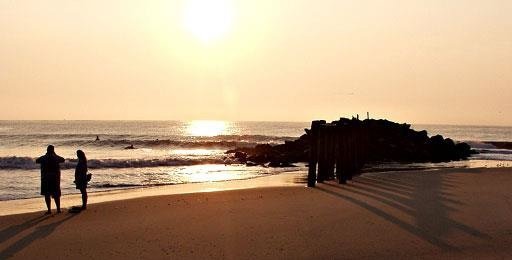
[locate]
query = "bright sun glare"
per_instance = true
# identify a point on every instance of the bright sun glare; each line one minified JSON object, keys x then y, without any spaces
{"x":208,"y":20}
{"x":206,"y":128}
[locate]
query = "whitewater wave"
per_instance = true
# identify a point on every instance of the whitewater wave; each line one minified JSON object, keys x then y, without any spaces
{"x":28,"y":163}
{"x":495,"y":151}
{"x":487,"y":150}
{"x":480,"y":145}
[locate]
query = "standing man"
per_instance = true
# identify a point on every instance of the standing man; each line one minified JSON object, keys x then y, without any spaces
{"x":50,"y":177}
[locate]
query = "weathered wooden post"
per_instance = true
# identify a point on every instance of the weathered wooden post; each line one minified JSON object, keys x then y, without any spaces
{"x":365,"y":142}
{"x":313,"y":152}
{"x":351,"y":156}
{"x":340,"y":150}
{"x":330,"y":150}
{"x":341,"y":162}
{"x":322,"y":154}
{"x":361,"y":146}
{"x":357,"y":148}
{"x":337,"y":151}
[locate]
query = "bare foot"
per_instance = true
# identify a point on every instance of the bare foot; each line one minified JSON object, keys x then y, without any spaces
{"x":58,"y":211}
{"x":48,"y":212}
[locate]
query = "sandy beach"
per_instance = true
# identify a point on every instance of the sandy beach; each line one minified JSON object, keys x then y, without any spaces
{"x":453,"y":213}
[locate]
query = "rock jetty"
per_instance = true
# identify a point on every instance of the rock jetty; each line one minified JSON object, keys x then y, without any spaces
{"x":387,"y":141}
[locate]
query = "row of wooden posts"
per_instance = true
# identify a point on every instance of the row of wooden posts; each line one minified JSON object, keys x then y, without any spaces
{"x":338,"y":150}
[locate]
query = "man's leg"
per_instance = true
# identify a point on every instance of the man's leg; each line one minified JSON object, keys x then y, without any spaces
{"x":48,"y":201}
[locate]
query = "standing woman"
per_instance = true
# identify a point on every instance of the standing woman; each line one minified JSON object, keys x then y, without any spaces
{"x":81,"y":176}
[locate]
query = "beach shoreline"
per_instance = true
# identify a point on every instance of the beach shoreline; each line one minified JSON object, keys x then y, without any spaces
{"x":285,"y":179}
{"x":449,"y":213}
{"x":296,"y":178}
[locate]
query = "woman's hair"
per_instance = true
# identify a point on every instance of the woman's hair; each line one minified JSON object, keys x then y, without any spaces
{"x":81,"y":155}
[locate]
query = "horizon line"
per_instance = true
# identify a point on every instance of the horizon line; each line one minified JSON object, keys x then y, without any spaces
{"x":265,"y":121}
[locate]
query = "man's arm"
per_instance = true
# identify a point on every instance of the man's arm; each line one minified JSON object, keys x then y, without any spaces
{"x":60,"y":159}
{"x":38,"y":160}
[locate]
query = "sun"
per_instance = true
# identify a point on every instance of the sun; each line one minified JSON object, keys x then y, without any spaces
{"x":208,"y":20}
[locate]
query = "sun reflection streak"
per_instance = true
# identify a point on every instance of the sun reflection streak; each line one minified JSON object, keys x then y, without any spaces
{"x":207,"y":128}
{"x":196,"y":152}
{"x":211,"y":172}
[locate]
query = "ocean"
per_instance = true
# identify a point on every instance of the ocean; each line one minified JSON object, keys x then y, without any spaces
{"x":174,"y":152}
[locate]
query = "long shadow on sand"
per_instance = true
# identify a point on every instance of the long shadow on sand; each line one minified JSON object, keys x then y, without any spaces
{"x":425,"y":197}
{"x":12,"y":231}
{"x":39,"y":233}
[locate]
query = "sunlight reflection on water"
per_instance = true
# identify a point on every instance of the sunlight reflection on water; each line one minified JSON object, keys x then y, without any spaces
{"x":208,"y":128}
{"x":213,"y":172}
{"x":195,"y":152}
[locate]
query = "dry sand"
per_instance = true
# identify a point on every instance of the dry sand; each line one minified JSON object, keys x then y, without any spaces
{"x":457,"y":213}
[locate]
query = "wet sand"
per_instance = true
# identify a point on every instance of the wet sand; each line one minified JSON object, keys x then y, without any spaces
{"x":455,"y":213}
{"x":285,"y":179}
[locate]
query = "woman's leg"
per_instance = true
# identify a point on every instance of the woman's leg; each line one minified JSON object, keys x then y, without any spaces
{"x":84,"y":197}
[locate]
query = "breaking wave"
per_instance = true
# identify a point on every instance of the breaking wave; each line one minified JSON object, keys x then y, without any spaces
{"x":26,"y":163}
{"x":122,"y":141}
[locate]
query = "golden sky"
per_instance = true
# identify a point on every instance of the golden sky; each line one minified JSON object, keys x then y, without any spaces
{"x":435,"y":61}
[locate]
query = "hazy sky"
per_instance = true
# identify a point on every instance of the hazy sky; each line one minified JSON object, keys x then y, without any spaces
{"x":430,"y":61}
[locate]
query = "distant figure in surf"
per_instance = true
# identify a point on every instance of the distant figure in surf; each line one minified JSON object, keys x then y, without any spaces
{"x":81,"y":178}
{"x":97,"y":138}
{"x":50,"y":177}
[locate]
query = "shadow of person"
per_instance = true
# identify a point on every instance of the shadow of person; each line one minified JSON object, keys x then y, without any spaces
{"x":12,"y":231}
{"x":40,"y":232}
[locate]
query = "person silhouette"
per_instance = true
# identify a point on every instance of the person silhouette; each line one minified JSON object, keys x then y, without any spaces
{"x":50,"y":177}
{"x":81,"y":176}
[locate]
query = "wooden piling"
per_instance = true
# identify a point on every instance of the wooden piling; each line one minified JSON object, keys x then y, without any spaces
{"x":341,"y":156}
{"x":337,"y":151}
{"x":351,"y":158}
{"x":322,"y":154}
{"x":330,"y":151}
{"x":340,"y":150}
{"x":313,"y":152}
